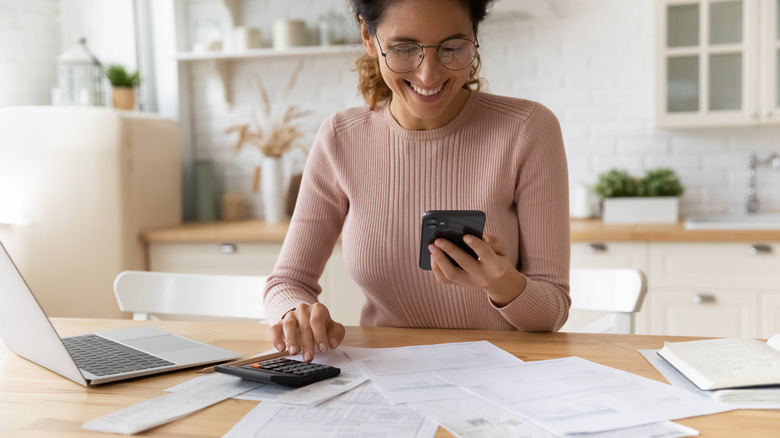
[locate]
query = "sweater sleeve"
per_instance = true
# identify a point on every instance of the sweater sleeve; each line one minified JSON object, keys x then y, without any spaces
{"x":314,"y":229}
{"x":542,"y":202}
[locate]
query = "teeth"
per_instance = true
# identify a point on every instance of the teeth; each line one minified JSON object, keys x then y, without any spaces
{"x":426,"y":92}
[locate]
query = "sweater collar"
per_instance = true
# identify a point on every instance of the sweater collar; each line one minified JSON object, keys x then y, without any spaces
{"x":432,"y":134}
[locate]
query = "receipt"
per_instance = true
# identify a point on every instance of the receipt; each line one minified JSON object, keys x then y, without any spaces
{"x":172,"y":406}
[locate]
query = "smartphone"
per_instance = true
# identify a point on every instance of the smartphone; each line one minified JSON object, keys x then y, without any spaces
{"x":451,"y":225}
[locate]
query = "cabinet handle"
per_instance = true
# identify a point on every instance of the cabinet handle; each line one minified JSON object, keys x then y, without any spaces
{"x":702,"y":298}
{"x":595,"y":248}
{"x":759,"y":248}
{"x":228,"y":248}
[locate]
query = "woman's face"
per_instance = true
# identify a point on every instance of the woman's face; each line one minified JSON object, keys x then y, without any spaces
{"x":430,"y":96}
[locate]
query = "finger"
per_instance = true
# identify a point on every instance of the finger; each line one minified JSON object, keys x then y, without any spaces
{"x":453,"y":273}
{"x":290,"y":329}
{"x":435,"y":267}
{"x":305,"y":334}
{"x":320,"y":320}
{"x":336,"y":333}
{"x":496,"y":243}
{"x":277,"y":336}
{"x":464,"y":259}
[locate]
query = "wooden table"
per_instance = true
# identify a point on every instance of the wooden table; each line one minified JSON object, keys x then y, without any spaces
{"x":35,"y":402}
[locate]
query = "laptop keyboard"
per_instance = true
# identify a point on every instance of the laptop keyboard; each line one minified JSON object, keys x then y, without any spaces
{"x":102,"y":357}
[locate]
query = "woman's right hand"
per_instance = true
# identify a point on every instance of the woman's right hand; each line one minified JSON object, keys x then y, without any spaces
{"x":305,"y":328}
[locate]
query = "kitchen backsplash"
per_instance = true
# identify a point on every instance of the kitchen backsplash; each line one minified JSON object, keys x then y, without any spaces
{"x":592,"y":64}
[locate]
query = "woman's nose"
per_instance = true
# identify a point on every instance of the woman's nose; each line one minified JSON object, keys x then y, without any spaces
{"x":429,"y":69}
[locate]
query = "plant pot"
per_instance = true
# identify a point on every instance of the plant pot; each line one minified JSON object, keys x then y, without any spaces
{"x":641,"y":210}
{"x":124,"y":98}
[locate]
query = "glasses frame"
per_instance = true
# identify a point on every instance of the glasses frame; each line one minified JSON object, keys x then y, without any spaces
{"x":422,"y":58}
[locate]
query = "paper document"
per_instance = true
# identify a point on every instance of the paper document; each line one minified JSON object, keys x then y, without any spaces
{"x":405,"y":374}
{"x":362,"y":412}
{"x":573,"y":395}
{"x":748,"y":398}
{"x":169,"y":407}
{"x":475,"y":417}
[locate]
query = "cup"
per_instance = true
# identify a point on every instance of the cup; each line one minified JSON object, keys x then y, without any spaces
{"x":289,"y":33}
{"x":246,"y":38}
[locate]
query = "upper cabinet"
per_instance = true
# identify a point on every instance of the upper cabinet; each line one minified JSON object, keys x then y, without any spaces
{"x":717,"y":62}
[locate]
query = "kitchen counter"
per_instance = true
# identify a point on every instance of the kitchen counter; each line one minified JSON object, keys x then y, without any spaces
{"x":581,"y":231}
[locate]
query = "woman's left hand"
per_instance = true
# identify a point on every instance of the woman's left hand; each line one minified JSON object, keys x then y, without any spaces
{"x":492,"y":271}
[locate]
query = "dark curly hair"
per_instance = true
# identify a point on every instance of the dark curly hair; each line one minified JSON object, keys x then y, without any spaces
{"x":370,"y":82}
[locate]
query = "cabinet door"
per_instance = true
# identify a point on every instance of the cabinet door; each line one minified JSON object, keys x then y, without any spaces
{"x":704,"y":313}
{"x":771,"y":66}
{"x":706,"y":62}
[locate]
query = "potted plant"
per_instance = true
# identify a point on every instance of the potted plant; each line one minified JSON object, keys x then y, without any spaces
{"x":123,"y":85}
{"x":655,"y":198}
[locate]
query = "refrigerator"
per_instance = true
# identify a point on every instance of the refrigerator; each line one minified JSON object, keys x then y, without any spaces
{"x":78,"y":187}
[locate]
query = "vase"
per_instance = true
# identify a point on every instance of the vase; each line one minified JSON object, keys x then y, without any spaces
{"x":272,"y":189}
{"x":123,"y":98}
{"x":641,"y":210}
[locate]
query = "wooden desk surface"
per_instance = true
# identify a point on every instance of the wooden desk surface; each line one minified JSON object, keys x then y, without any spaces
{"x":35,"y":402}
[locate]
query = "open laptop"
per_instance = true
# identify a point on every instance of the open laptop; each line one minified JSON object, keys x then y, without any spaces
{"x":138,"y":351}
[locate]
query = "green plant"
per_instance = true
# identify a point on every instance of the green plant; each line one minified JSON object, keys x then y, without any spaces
{"x":662,"y":182}
{"x":118,"y":76}
{"x":616,"y":183}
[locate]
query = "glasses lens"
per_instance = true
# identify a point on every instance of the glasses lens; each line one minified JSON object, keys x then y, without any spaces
{"x":404,"y":58}
{"x":457,"y":54}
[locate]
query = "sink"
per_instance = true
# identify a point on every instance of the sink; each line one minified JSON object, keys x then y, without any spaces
{"x":736,"y":221}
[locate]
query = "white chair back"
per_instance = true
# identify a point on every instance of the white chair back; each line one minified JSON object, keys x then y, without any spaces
{"x":150,"y":294}
{"x":620,"y":292}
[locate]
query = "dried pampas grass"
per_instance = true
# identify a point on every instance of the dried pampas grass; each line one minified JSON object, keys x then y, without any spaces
{"x":272,"y":136}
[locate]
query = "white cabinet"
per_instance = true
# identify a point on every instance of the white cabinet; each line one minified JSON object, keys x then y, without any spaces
{"x":339,"y":292}
{"x":717,"y":62}
{"x":698,"y":289}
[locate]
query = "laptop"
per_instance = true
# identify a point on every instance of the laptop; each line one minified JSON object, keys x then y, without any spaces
{"x":133,"y":352}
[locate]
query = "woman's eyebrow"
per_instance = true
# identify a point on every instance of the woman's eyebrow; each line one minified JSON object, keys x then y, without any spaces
{"x":405,"y":39}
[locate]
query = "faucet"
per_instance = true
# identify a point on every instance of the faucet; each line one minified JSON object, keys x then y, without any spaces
{"x":753,"y":163}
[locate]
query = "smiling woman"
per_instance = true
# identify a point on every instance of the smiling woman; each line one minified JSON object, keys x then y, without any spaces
{"x":428,"y":139}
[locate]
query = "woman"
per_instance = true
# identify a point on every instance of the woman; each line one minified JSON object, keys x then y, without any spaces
{"x":427,"y":141}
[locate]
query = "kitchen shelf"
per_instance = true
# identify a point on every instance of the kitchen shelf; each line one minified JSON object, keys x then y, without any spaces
{"x":222,"y":60}
{"x":268,"y":52}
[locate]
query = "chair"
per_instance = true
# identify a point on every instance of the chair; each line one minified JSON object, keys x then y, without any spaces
{"x":617,"y":291}
{"x":204,"y":296}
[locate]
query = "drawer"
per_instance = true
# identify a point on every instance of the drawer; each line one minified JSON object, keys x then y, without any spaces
{"x":608,"y":255}
{"x":735,"y":266}
{"x":214,"y":258}
{"x":698,"y":312}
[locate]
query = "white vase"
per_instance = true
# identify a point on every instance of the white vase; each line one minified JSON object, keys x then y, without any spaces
{"x":272,"y":188}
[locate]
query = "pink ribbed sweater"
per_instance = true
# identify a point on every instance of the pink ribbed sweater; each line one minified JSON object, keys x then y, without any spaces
{"x":370,"y":180}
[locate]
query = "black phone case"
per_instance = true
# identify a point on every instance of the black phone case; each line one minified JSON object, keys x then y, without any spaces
{"x":451,"y":225}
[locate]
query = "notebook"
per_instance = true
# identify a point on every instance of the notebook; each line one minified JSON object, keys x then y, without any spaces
{"x":727,"y":362}
{"x":137,"y":351}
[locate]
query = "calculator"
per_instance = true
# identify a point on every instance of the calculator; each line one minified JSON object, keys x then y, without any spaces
{"x":282,"y":370}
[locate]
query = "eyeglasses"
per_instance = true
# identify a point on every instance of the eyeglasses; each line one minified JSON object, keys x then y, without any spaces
{"x":455,"y":54}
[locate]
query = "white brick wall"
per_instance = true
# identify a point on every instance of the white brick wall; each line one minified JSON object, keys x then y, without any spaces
{"x":28,"y":51}
{"x":592,"y":65}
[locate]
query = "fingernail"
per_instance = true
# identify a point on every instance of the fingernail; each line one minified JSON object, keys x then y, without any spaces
{"x":280,"y":347}
{"x":334,"y":343}
{"x":293,"y":350}
{"x":439,"y":243}
{"x":468,"y":238}
{"x":307,"y":357}
{"x":323,"y":347}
